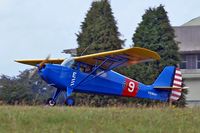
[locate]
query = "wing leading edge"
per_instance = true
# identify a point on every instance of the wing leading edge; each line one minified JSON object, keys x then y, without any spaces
{"x":130,"y":56}
{"x":127,"y":56}
{"x":33,"y":62}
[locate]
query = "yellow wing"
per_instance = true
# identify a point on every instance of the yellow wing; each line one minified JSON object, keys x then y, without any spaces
{"x":38,"y":61}
{"x":132,"y":55}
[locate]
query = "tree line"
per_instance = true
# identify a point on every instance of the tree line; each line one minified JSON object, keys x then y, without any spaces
{"x":99,"y":32}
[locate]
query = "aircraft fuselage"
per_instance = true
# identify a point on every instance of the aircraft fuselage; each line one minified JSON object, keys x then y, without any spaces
{"x":107,"y":83}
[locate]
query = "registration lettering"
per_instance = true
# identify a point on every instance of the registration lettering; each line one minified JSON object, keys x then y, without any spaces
{"x":73,"y":79}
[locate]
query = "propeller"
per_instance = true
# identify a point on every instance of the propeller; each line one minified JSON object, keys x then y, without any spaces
{"x":36,"y":69}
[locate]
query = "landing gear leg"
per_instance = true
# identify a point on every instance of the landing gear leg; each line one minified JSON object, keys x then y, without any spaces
{"x":69,"y":100}
{"x":52,"y":101}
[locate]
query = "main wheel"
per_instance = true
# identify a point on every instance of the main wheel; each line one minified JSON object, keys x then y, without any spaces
{"x":70,"y":101}
{"x":51,"y":102}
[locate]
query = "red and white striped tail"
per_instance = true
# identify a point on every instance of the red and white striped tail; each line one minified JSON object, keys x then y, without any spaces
{"x":176,"y":93}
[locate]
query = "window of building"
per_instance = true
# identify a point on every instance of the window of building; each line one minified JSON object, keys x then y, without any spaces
{"x":183,"y":62}
{"x":190,"y":61}
{"x":198,"y":61}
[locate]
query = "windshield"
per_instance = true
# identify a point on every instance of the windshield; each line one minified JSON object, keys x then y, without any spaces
{"x":68,"y":62}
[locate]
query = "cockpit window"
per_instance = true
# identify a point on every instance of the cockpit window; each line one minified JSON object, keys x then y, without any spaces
{"x":85,"y":68}
{"x":70,"y":63}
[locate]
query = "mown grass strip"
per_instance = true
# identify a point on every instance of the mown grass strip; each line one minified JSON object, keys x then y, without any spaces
{"x":37,"y":119}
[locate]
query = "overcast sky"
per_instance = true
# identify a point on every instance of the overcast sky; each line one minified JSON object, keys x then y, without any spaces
{"x":36,"y":28}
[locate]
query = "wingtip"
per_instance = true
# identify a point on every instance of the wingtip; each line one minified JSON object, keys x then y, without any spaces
{"x":18,"y":61}
{"x":158,"y":57}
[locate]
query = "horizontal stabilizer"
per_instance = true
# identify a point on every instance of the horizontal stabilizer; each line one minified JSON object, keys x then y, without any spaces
{"x":169,"y":88}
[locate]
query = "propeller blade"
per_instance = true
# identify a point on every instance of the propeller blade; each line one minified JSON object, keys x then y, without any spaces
{"x":39,"y":67}
{"x":32,"y":73}
{"x":44,"y":61}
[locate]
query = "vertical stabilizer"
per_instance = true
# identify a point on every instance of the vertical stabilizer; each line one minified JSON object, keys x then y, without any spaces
{"x":170,"y":80}
{"x":166,"y":77}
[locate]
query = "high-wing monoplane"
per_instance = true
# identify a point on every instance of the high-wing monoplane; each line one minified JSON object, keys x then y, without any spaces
{"x":94,"y":74}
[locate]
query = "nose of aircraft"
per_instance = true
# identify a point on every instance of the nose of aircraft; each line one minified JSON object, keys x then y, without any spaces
{"x":51,"y":74}
{"x":47,"y":73}
{"x":42,"y":72}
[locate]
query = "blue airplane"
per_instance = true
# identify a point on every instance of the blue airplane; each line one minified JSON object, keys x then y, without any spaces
{"x":94,"y":74}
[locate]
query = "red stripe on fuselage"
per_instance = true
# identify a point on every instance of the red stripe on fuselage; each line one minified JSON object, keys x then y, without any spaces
{"x":131,"y":88}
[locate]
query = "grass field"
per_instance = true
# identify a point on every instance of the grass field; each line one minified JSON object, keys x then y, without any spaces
{"x":30,"y":119}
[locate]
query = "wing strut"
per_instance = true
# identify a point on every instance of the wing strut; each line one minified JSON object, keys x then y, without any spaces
{"x":91,"y":73}
{"x":104,"y":71}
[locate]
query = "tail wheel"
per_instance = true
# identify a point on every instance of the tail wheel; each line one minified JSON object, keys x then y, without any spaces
{"x":51,"y":102}
{"x":70,"y":101}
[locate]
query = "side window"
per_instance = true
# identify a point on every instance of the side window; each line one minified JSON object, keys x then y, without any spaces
{"x":88,"y":69}
{"x":82,"y":69}
{"x":74,"y":66}
{"x":98,"y":71}
{"x":85,"y":68}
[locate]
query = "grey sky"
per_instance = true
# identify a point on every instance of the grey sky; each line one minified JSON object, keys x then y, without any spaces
{"x":35,"y":28}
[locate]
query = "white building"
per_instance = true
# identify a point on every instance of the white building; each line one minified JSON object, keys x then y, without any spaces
{"x":189,"y":37}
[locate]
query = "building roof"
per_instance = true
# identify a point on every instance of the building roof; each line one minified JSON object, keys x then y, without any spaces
{"x":189,"y":38}
{"x":193,"y":22}
{"x":70,"y":51}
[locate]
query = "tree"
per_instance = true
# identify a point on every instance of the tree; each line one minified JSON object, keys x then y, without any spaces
{"x":13,"y":91}
{"x":22,"y":90}
{"x":98,"y":33}
{"x":155,"y":33}
{"x":99,"y":30}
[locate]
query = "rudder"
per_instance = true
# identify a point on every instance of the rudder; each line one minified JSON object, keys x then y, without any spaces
{"x":177,"y":83}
